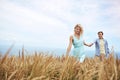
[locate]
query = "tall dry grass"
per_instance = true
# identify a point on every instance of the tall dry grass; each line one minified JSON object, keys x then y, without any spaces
{"x":47,"y":67}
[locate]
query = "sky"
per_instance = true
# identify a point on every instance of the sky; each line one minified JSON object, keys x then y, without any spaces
{"x":49,"y":23}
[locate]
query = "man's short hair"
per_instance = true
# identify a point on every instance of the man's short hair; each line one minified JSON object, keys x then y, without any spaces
{"x":100,"y":32}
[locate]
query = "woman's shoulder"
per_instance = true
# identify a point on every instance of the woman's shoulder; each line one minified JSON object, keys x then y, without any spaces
{"x":71,"y":36}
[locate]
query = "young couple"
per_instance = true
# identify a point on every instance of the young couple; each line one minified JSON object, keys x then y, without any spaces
{"x":76,"y":40}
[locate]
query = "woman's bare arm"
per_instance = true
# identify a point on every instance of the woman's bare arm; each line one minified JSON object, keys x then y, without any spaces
{"x":89,"y":45}
{"x":69,"y":46}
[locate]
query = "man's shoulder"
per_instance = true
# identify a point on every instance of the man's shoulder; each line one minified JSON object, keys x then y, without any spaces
{"x":96,"y":40}
{"x":105,"y":40}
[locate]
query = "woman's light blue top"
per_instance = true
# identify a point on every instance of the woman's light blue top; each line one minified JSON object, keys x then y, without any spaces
{"x":78,"y":50}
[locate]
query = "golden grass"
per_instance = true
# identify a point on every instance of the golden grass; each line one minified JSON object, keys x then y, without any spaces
{"x":47,"y":67}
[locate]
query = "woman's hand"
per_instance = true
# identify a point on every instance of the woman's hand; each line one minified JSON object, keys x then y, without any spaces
{"x":89,"y":45}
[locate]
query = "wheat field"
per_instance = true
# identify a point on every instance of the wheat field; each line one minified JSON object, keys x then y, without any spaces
{"x":48,"y":67}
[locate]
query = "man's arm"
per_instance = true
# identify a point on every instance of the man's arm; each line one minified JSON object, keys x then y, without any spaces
{"x":107,"y":47}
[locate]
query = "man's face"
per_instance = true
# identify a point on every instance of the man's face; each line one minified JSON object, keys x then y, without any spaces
{"x":100,"y":35}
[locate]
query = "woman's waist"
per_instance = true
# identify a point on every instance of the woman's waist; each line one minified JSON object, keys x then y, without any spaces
{"x":78,"y":46}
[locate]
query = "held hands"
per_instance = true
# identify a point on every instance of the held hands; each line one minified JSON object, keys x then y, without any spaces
{"x":89,"y":45}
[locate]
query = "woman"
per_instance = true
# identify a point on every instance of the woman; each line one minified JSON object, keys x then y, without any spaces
{"x":77,"y":41}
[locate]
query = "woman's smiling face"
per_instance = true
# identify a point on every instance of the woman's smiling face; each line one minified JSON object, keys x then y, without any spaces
{"x":77,"y":30}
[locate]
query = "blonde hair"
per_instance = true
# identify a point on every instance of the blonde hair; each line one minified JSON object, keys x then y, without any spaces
{"x":81,"y":29}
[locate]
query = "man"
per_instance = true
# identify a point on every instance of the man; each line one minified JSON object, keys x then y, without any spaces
{"x":101,"y":46}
